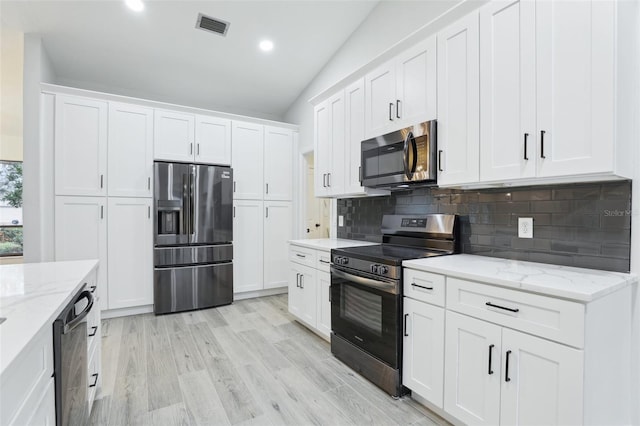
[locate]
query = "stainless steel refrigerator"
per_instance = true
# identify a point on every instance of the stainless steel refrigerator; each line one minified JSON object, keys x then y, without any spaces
{"x":193,"y":252}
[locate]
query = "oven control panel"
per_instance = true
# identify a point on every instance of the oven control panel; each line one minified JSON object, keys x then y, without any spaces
{"x":379,"y":269}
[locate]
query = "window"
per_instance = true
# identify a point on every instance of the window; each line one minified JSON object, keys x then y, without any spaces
{"x":10,"y":208}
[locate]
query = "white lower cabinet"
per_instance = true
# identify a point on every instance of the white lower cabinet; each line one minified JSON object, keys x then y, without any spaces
{"x":495,"y":375}
{"x":310,"y":288}
{"x":278,"y":218}
{"x":323,"y":281}
{"x":130,"y":234}
{"x":302,"y":293}
{"x":423,"y":350}
{"x":488,"y":355}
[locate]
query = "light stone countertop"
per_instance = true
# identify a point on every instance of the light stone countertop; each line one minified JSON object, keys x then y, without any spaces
{"x":579,"y":284}
{"x":326,"y":244}
{"x":32,"y":295}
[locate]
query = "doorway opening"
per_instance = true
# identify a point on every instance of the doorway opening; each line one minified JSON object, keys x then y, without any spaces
{"x":317,"y":210}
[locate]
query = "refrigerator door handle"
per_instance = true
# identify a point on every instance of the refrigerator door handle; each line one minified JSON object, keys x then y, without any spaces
{"x":192,"y":177}
{"x":184,"y":210}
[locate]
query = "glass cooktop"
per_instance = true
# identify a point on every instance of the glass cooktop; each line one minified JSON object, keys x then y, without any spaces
{"x":388,"y":253}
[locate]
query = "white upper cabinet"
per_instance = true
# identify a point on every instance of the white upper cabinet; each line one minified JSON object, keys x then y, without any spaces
{"x":173,"y":136}
{"x":416,"y":84}
{"x":80,"y":146}
{"x":458,"y":102}
{"x":130,"y":242}
{"x":329,"y":139}
{"x":247,"y":160}
{"x":278,"y":163}
{"x":130,"y":151}
{"x":381,"y":100}
{"x":354,"y":135}
{"x":507,"y":90}
{"x":213,"y":140}
{"x":576,"y":82}
{"x":402,"y":92}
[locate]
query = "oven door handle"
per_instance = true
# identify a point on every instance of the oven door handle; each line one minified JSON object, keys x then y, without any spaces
{"x":380,"y":285}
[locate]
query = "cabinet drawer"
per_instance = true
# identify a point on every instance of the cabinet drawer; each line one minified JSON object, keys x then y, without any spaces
{"x":22,"y":383}
{"x":424,"y":286}
{"x":548,"y":317}
{"x":323,"y":261}
{"x":302,"y":255}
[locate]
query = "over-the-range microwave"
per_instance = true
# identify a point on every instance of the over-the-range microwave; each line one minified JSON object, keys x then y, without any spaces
{"x":400,"y":159}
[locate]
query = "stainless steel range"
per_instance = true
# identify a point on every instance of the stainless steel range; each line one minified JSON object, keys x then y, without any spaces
{"x":366,"y":294}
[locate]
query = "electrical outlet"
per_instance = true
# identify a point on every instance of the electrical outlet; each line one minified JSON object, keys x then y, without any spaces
{"x":525,"y":227}
{"x":340,"y":220}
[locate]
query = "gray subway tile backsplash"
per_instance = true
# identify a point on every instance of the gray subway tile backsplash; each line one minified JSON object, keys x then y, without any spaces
{"x":583,"y":225}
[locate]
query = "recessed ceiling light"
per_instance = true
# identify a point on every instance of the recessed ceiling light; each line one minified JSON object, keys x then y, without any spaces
{"x":266,"y":45}
{"x":135,"y":5}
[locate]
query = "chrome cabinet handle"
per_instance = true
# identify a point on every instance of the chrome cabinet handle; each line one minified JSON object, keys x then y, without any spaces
{"x":267,"y":188}
{"x":234,"y":186}
{"x":197,"y":149}
{"x":301,"y":255}
{"x":542,"y":132}
{"x":297,"y":280}
{"x":101,"y":212}
{"x":440,"y":160}
{"x":405,"y":325}
{"x":324,"y":261}
{"x":267,"y":214}
{"x":390,"y":115}
{"x":190,"y":149}
{"x":421,"y":286}
{"x":301,"y":280}
{"x":506,"y":370}
{"x":324,"y":180}
{"x":95,"y":330}
{"x":526,"y":135}
{"x":398,"y":108}
{"x":93,"y":288}
{"x":234,"y":211}
{"x":149,"y":212}
{"x":329,"y":180}
{"x":101,"y":181}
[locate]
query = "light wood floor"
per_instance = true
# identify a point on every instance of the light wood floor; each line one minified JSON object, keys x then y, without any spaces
{"x":248,"y":363}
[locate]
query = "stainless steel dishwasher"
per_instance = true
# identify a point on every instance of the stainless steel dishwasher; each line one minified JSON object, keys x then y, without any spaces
{"x":70,"y":360}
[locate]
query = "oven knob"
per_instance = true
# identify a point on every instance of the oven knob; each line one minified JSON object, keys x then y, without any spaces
{"x":345,"y":260}
{"x":374,"y":269}
{"x":383,"y":270}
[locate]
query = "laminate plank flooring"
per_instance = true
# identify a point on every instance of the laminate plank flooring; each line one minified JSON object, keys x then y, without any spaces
{"x":246,"y":364}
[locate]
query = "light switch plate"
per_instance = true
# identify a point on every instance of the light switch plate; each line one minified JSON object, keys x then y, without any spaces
{"x":340,"y":220}
{"x":525,"y":227}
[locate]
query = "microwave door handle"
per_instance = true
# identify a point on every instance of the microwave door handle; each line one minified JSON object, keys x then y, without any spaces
{"x":414,"y":148}
{"x":409,"y":170}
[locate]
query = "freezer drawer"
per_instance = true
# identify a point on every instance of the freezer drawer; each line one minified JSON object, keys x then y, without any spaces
{"x":191,"y":255}
{"x":192,"y":287}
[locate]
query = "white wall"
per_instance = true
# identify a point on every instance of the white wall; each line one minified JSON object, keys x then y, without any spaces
{"x":391,"y":26}
{"x":37,"y":211}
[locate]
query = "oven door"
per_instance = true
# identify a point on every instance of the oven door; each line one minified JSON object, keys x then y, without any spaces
{"x":365,"y":310}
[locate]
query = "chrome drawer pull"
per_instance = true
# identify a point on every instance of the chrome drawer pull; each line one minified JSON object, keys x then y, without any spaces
{"x":95,"y":330}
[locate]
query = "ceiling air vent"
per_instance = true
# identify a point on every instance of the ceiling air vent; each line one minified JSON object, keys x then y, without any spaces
{"x":212,"y":25}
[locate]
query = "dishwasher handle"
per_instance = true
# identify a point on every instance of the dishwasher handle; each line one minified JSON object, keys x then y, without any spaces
{"x":86,"y":294}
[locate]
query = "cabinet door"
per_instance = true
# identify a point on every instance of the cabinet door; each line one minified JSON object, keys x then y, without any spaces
{"x":295,"y":293}
{"x":472,"y":383}
{"x":309,"y":297}
{"x":423,"y":350}
{"x":323,"y":302}
{"x":130,"y":233}
{"x":416,"y":84}
{"x":380,"y":106}
{"x":575,"y":82}
{"x":278,"y":225}
{"x":130,"y":150}
{"x":278,"y":164}
{"x":541,"y":374}
{"x":173,"y":136}
{"x":80,"y":146}
{"x":335,"y":178}
{"x":247,"y":145}
{"x":81,"y":231}
{"x":322,"y":152}
{"x":248,"y":222}
{"x":507,"y":90}
{"x":458,"y":102}
{"x":213,"y":140}
{"x":354,"y":135}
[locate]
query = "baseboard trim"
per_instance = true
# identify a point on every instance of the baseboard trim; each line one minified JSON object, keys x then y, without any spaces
{"x":260,"y":293}
{"x":125,"y":312}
